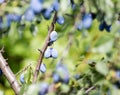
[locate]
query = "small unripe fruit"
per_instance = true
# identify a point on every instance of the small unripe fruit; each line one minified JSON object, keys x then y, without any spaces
{"x":43,"y":68}
{"x":53,"y":36}
{"x":22,"y":78}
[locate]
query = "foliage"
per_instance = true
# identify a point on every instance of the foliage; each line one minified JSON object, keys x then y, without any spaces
{"x":87,"y":43}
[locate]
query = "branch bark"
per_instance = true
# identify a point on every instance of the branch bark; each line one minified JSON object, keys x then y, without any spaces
{"x":44,"y":48}
{"x":9,"y":75}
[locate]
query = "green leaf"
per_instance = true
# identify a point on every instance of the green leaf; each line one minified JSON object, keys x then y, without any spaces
{"x":104,"y":48}
{"x":23,"y":89}
{"x":80,"y":92}
{"x":32,"y":89}
{"x":114,"y":91}
{"x":1,"y":92}
{"x":102,"y":68}
{"x":65,"y":88}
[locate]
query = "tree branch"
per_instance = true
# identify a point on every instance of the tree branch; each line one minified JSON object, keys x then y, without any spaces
{"x":65,"y":51}
{"x":9,"y":74}
{"x":44,"y":48}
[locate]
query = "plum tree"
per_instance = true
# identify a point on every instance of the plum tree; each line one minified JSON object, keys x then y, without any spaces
{"x":75,"y":58}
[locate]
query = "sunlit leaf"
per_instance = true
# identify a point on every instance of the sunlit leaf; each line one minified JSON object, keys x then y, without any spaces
{"x":102,"y":68}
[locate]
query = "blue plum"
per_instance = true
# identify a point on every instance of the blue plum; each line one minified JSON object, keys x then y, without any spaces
{"x":118,"y":74}
{"x":73,"y":5}
{"x":41,"y":1}
{"x":50,"y":52}
{"x":43,"y":68}
{"x":108,"y":28}
{"x":79,"y":26}
{"x":103,"y":25}
{"x":63,"y":73}
{"x":56,"y":5}
{"x":47,"y":53}
{"x":22,"y":78}
{"x":13,"y":17}
{"x":8,"y":21}
{"x":43,"y":88}
{"x":60,"y":20}
{"x":77,"y":76}
{"x":2,"y":1}
{"x":87,"y":21}
{"x":47,"y":13}
{"x":93,"y":15}
{"x":36,"y":6}
{"x":29,"y":15}
{"x":56,"y":77}
{"x":0,"y":72}
{"x":117,"y":84}
{"x":54,"y":53}
{"x":1,"y":23}
{"x":53,"y":36}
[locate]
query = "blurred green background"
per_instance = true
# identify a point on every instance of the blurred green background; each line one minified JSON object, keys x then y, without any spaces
{"x":87,"y":46}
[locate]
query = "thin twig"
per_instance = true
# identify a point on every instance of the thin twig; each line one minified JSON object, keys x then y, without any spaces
{"x":24,"y":69}
{"x":70,"y":37}
{"x":44,"y":48}
{"x":89,"y":89}
{"x":40,"y":50}
{"x":2,"y":50}
{"x":65,"y":51}
{"x":9,"y":75}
